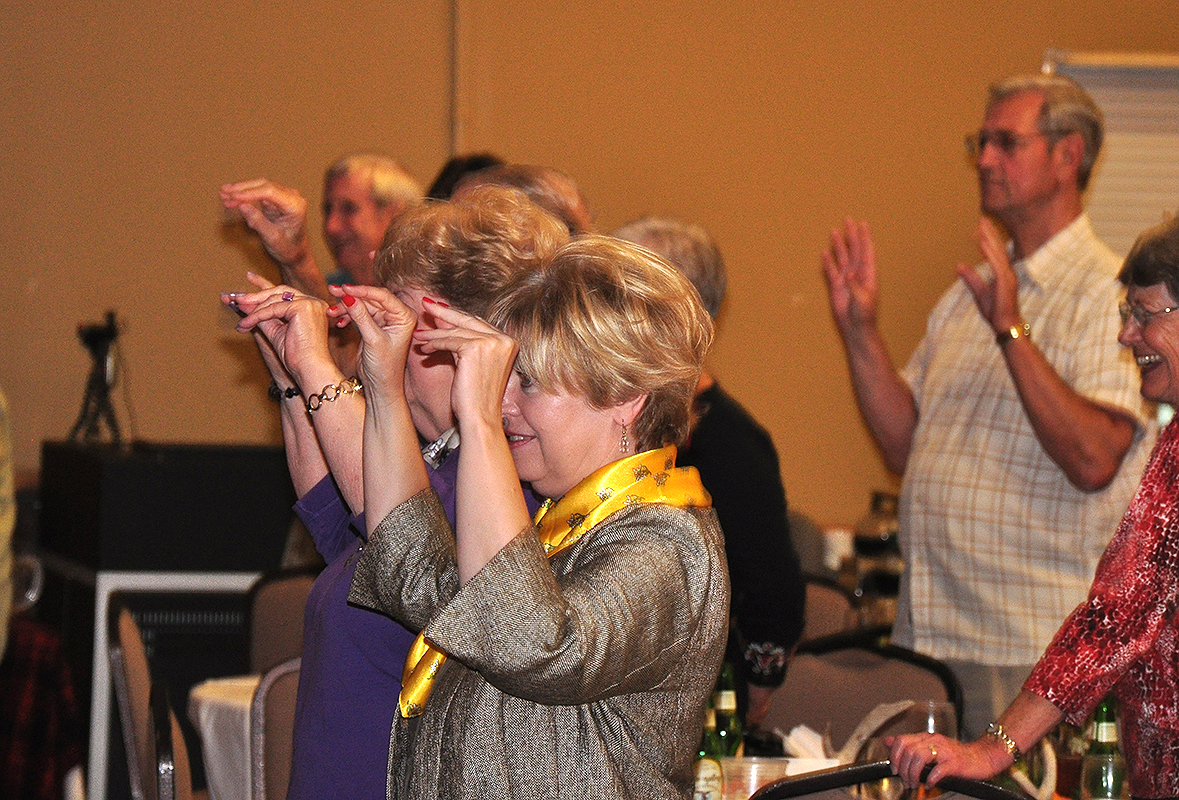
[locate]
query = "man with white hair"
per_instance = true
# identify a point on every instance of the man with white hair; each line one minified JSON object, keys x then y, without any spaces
{"x":362,"y":194}
{"x":1017,"y":423}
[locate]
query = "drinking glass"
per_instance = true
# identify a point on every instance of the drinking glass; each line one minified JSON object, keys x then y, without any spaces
{"x":926,"y":716}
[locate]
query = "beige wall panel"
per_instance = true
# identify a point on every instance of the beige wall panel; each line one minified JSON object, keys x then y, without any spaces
{"x":121,"y":120}
{"x":767,"y":123}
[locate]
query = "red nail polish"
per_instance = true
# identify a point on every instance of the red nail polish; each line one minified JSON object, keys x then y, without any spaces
{"x":427,"y":300}
{"x":349,"y":300}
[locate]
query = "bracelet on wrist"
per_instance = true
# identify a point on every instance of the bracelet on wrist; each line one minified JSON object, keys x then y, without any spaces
{"x":996,"y":730}
{"x":332,"y":392}
{"x":1020,"y":331}
{"x":277,"y":393}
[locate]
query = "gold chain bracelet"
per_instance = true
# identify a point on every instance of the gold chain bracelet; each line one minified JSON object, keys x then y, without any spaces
{"x":333,"y":391}
{"x":996,"y":730}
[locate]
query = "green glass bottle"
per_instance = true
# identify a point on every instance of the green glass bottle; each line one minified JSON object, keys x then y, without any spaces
{"x":728,"y":724}
{"x":1103,"y":770}
{"x":709,"y":778}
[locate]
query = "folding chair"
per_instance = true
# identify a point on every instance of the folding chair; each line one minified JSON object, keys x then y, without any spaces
{"x":272,"y":726}
{"x":276,"y":603}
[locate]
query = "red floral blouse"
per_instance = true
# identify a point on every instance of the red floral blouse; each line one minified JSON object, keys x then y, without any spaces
{"x":1125,"y":637}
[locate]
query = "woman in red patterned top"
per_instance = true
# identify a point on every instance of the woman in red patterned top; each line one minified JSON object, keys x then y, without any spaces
{"x":1125,"y":637}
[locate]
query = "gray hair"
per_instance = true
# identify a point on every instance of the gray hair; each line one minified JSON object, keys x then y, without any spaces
{"x":689,"y":248}
{"x":389,"y":183}
{"x":1067,"y":109}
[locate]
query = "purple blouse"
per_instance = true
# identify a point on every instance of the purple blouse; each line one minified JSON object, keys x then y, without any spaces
{"x":352,"y":658}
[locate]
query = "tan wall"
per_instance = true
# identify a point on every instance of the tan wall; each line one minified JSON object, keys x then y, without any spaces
{"x":766,"y":122}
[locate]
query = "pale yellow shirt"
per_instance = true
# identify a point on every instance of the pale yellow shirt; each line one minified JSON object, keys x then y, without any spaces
{"x":999,"y":547}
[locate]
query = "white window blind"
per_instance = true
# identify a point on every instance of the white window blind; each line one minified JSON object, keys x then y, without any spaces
{"x":1136,"y":183}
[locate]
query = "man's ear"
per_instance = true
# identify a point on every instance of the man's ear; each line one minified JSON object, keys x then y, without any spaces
{"x":1069,"y":151}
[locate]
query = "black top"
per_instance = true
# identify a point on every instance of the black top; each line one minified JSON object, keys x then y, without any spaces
{"x":739,"y":467}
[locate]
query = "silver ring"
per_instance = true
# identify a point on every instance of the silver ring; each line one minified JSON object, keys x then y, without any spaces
{"x":288,"y":296}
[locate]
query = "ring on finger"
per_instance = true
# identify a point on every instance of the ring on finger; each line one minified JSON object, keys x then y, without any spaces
{"x":288,"y":296}
{"x":933,"y":753}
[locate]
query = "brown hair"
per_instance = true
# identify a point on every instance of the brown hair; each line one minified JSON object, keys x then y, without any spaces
{"x":1154,"y":258}
{"x":466,"y":249}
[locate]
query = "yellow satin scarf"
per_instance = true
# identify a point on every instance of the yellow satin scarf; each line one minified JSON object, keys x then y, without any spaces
{"x":650,"y":477}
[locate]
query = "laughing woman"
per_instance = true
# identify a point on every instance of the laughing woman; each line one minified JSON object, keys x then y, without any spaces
{"x":570,"y":657}
{"x":1125,"y":638}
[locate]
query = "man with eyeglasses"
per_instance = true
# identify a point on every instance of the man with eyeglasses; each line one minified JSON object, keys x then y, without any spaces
{"x":1017,"y":423}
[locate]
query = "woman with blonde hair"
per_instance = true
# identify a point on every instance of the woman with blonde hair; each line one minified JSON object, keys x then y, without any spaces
{"x":570,"y":656}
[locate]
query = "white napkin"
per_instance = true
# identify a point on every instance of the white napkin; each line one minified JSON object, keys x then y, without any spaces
{"x":804,"y":742}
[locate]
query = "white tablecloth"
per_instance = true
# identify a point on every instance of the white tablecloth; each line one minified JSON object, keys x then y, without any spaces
{"x":220,"y":710}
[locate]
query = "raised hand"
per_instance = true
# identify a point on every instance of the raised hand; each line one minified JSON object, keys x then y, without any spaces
{"x":483,"y":356}
{"x":278,"y":214}
{"x":997,"y":299}
{"x":386,"y":327}
{"x":849,"y":264}
{"x":292,"y":326}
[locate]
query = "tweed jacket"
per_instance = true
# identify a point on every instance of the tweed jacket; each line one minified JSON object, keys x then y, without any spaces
{"x":580,"y":676}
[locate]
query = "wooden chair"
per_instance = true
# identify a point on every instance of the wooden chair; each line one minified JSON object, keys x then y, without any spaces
{"x":131,"y":676}
{"x":276,"y":603}
{"x":272,"y":726}
{"x":830,"y":784}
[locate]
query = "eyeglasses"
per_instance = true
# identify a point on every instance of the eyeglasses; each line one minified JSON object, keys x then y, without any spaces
{"x":1007,"y":141}
{"x":1140,"y":314}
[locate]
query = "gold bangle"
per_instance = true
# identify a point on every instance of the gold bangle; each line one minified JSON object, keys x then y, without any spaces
{"x":996,"y":730}
{"x":332,"y":392}
{"x":1023,"y":330}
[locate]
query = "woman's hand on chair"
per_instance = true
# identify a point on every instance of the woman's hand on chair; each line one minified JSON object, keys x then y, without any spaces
{"x":911,"y":754}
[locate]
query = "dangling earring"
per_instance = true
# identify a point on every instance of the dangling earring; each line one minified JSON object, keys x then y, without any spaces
{"x":624,"y":443}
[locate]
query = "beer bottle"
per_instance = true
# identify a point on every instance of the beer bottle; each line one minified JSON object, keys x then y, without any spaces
{"x":728,"y":724}
{"x":1103,"y":770}
{"x":709,"y":779}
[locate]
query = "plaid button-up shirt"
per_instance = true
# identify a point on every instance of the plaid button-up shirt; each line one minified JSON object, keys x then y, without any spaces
{"x":999,"y":547}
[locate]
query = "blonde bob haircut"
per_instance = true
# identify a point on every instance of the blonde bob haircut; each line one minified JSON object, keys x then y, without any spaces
{"x":466,"y":250}
{"x":610,"y":321}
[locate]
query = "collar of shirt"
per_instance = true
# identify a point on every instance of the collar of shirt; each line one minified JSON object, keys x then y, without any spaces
{"x":436,"y":451}
{"x":1050,"y":264}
